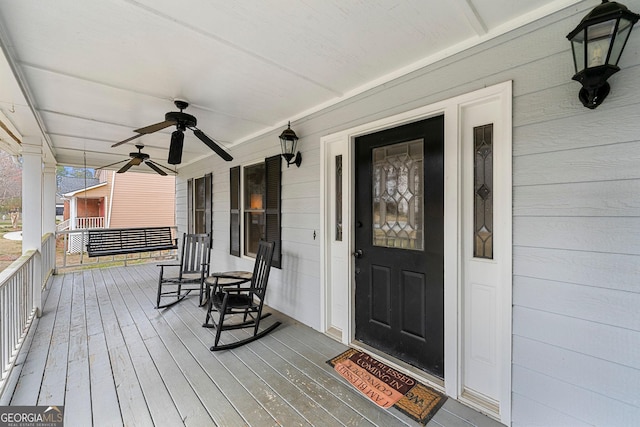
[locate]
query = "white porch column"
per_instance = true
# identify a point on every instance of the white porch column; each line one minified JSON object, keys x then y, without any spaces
{"x":49,"y":200}
{"x":73,"y":212}
{"x":32,"y":210}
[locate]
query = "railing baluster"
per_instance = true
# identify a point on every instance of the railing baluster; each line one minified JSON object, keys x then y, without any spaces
{"x":16,"y":309}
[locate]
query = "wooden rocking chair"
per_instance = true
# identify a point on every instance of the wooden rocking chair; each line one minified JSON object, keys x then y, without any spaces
{"x":193,"y":269}
{"x":245,"y":301}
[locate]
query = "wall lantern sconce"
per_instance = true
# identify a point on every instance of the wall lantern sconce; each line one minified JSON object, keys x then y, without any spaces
{"x":597,"y":44}
{"x":288,"y":142}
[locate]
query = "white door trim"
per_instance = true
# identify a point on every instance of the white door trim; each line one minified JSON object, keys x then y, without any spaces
{"x":452,"y":110}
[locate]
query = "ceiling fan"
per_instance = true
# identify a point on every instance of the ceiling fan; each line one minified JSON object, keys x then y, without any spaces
{"x":136,"y":159}
{"x":182,"y":121}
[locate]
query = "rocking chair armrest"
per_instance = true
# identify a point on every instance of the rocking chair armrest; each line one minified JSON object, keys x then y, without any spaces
{"x":229,"y":290}
{"x":168,"y":265}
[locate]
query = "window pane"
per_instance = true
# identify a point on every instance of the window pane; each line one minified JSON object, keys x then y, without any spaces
{"x":398,"y":173}
{"x":253,"y":232}
{"x":199,"y":203}
{"x":483,"y":189}
{"x":254,"y":187}
{"x":254,"y":207}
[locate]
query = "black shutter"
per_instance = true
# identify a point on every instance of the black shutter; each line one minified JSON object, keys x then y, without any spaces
{"x":272,"y":209}
{"x":234,"y":229}
{"x":190,"y":207}
{"x":208,"y":203}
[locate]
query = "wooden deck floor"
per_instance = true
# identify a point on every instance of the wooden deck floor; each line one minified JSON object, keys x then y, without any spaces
{"x":103,"y":351}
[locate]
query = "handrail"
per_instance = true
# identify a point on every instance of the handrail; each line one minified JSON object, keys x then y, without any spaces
{"x":64,"y":225}
{"x":17,"y":310}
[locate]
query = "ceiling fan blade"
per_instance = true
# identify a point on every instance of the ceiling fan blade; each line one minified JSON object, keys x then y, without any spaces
{"x":146,"y":130}
{"x":156,"y":127}
{"x":127,"y":140}
{"x":112,"y":164}
{"x":156,"y":164}
{"x":156,"y":168}
{"x":211,"y":144}
{"x":136,"y":161}
{"x":126,"y":167}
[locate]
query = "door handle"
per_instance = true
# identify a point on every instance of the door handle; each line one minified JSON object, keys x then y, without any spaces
{"x":358,"y":253}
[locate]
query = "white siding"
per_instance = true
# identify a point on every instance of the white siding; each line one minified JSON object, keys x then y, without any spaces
{"x":576,"y":326}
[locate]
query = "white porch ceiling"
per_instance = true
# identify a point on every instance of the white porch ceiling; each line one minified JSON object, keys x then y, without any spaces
{"x":85,"y":74}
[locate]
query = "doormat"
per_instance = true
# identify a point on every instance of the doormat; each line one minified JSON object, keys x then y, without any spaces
{"x":387,"y":387}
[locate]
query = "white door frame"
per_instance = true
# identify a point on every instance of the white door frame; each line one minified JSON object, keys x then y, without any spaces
{"x":452,"y":109}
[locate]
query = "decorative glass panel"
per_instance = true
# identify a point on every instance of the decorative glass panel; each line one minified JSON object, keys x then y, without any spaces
{"x":483,"y":189}
{"x":398,"y":172}
{"x":339,"y":198}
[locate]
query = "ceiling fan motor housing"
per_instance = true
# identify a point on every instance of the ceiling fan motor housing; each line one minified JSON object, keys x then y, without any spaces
{"x":182,"y":120}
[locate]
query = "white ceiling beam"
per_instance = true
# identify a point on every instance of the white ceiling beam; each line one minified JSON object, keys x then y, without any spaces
{"x":473,"y":17}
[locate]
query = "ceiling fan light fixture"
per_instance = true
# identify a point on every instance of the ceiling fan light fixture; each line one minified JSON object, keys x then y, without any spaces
{"x":175,"y":149}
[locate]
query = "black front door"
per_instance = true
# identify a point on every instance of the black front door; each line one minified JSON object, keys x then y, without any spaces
{"x":400,"y":243}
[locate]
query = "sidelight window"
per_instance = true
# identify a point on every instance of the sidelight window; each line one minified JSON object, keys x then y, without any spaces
{"x":483,"y":189}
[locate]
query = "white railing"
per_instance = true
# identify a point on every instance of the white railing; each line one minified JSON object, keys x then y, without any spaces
{"x":16,"y":309}
{"x":48,"y":257}
{"x":90,"y":222}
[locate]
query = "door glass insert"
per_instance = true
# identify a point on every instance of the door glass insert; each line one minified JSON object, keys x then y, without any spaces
{"x":397,"y":195}
{"x":339,"y":198}
{"x":483,"y":191}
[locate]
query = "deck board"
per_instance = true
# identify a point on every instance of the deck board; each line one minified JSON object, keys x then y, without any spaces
{"x":78,"y":400}
{"x":103,"y":350}
{"x":104,"y":399}
{"x":55,"y":371}
{"x":28,"y":386}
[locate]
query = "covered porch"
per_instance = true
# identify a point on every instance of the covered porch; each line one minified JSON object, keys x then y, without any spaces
{"x":103,"y":351}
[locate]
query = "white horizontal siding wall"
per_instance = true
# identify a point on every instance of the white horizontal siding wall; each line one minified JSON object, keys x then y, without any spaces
{"x":576,"y":344}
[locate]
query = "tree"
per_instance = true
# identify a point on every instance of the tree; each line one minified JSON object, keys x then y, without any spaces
{"x":75,"y":172}
{"x":10,"y":183}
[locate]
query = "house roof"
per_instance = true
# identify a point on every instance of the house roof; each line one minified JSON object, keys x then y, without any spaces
{"x":67,"y":186}
{"x":81,"y":190}
{"x":87,"y":74}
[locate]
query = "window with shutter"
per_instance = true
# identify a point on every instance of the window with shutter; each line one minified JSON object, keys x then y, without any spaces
{"x":260,"y":212}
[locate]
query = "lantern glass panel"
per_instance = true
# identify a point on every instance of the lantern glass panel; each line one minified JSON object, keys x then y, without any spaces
{"x":288,"y":146}
{"x":577,"y":45}
{"x":624,"y":30}
{"x":598,"y":40}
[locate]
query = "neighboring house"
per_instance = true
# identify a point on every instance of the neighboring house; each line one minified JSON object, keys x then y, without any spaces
{"x":69,"y":184}
{"x":114,"y":200}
